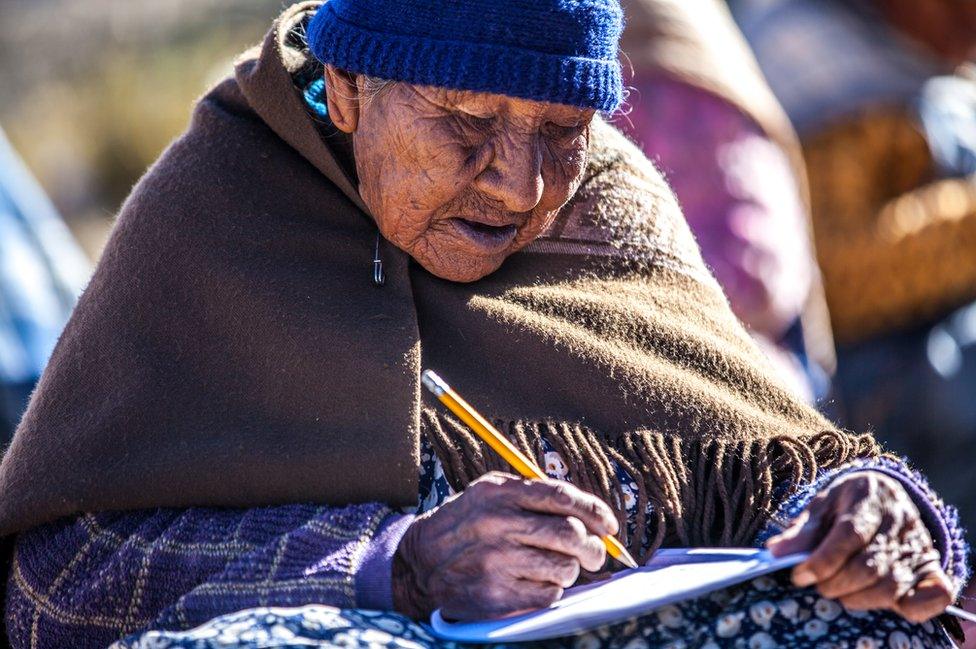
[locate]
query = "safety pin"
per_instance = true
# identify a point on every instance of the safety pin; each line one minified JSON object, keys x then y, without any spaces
{"x":379,"y":277}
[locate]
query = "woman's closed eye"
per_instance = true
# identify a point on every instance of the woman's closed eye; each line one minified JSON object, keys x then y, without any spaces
{"x":564,"y":132}
{"x":478,"y":121}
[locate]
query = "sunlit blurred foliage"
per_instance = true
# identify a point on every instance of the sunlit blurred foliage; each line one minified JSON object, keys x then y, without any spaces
{"x":91,"y":91}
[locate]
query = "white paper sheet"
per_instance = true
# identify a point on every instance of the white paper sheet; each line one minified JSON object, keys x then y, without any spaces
{"x":673,"y":575}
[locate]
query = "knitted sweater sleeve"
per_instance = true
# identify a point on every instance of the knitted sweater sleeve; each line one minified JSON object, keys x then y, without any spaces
{"x":941,"y":519}
{"x":94,"y":579}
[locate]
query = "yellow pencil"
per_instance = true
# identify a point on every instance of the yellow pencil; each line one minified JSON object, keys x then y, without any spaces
{"x":505,"y":448}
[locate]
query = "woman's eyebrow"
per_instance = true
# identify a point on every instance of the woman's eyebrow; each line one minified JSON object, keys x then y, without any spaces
{"x":567,"y":114}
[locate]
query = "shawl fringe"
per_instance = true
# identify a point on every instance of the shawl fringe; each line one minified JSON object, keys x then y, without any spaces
{"x":711,"y":492}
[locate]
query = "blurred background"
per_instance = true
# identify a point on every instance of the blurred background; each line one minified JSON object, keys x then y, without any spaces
{"x":90,"y":98}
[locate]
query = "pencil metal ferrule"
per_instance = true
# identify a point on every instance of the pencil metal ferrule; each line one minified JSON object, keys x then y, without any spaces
{"x":433,"y":383}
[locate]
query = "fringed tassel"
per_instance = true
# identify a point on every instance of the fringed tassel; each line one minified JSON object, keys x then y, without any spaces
{"x":713,"y":492}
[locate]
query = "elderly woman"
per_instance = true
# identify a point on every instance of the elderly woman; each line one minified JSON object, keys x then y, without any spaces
{"x":233,"y":418}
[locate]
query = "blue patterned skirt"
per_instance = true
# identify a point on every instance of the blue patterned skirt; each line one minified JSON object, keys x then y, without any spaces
{"x":764,"y":613}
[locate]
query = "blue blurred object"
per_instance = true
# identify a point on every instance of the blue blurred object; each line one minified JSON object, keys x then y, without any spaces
{"x":947,"y":110}
{"x":42,"y":271}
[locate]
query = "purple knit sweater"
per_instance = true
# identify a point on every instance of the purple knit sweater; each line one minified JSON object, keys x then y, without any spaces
{"x":89,"y":581}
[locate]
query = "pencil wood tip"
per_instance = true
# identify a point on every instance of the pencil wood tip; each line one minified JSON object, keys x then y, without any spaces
{"x":628,"y":561}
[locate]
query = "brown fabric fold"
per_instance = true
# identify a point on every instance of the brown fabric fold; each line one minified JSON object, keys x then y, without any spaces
{"x":231,"y":349}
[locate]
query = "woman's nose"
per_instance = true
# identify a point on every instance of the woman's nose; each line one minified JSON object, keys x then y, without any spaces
{"x":514,"y":176}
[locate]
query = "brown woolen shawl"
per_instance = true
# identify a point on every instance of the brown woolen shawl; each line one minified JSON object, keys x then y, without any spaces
{"x":231,"y":349}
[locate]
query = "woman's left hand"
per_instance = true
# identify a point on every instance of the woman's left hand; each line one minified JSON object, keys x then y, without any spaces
{"x":869,"y":549}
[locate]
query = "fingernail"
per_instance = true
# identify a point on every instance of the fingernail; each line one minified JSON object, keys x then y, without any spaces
{"x":803,"y":577}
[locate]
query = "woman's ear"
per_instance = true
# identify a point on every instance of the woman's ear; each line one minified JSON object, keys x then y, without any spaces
{"x":342,"y":95}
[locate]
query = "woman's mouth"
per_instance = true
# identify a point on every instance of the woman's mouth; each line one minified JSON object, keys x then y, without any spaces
{"x":491,"y":239}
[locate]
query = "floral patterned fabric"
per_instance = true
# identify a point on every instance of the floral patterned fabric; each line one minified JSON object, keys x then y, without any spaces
{"x":766,"y":612}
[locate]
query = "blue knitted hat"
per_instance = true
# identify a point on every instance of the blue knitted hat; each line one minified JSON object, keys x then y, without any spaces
{"x":561,"y":51}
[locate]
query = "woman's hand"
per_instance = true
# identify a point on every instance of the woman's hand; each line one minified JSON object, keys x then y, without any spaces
{"x":870,"y":549}
{"x":503,"y":545}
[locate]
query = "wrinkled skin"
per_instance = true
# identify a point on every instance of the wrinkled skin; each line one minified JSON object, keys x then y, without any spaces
{"x":870,"y":549}
{"x":459,"y":180}
{"x":506,"y":544}
{"x":503,"y":545}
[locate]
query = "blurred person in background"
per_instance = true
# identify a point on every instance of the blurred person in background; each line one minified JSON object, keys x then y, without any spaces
{"x":42,"y":271}
{"x":700,"y":108}
{"x":883,"y":96}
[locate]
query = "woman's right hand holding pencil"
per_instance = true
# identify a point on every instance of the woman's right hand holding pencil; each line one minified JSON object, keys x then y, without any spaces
{"x":504,"y":545}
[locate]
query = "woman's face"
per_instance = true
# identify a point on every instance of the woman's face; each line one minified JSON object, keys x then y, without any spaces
{"x":460,"y":180}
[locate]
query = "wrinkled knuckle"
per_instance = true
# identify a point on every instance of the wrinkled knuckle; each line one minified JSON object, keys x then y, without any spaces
{"x":591,"y":506}
{"x":820,"y":567}
{"x":563,"y":534}
{"x":568,"y":572}
{"x":546,"y":595}
{"x":575,"y":530}
{"x":889,"y":587}
{"x":561,"y":493}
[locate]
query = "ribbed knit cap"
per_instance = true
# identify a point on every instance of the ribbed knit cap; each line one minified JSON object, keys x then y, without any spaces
{"x":561,"y":51}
